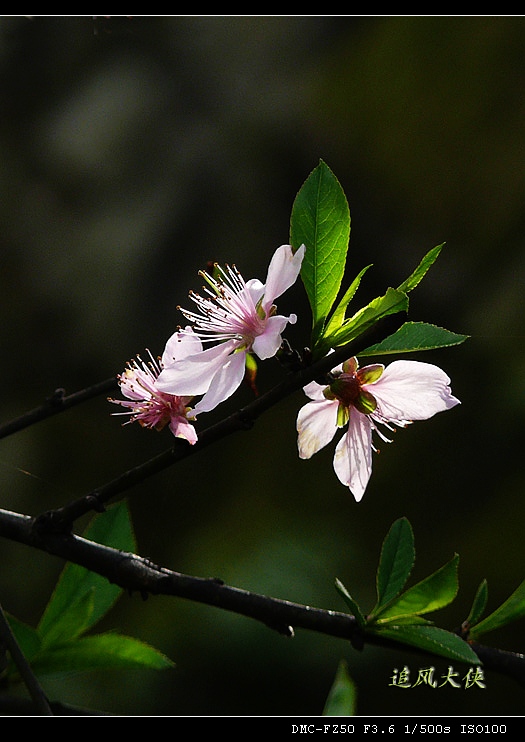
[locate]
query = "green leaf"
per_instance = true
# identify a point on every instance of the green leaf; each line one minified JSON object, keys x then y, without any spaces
{"x":511,"y":610}
{"x":432,"y":593}
{"x":395,"y":563}
{"x":413,"y":280}
{"x":320,"y":220}
{"x":410,"y":621}
{"x":430,"y":639}
{"x":111,"y":528}
{"x":342,"y":698}
{"x":390,"y":303}
{"x":479,"y":604}
{"x":106,"y":651}
{"x":413,"y":336}
{"x":338,"y":316}
{"x":356,"y":611}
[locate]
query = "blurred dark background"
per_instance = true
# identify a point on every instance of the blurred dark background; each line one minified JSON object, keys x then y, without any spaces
{"x":134,"y":150}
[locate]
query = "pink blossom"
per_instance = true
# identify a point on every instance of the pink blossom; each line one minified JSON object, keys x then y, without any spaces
{"x":146,"y":403}
{"x":392,"y":397}
{"x":241,"y":316}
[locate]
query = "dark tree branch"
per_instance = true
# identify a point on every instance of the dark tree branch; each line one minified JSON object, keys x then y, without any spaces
{"x":138,"y":575}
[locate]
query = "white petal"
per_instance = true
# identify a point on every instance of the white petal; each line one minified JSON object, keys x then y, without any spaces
{"x":181,"y":344}
{"x":315,"y":391}
{"x":136,"y":384}
{"x":255,"y":289}
{"x":193,"y":375}
{"x":353,"y":455}
{"x":268,"y":343}
{"x":316,"y":426}
{"x":225,"y":382}
{"x":411,"y":390}
{"x":181,"y":428}
{"x":283,"y":270}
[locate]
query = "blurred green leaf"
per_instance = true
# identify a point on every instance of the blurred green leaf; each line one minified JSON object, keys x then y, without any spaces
{"x":356,"y":611}
{"x":107,"y":650}
{"x":511,"y":610}
{"x":320,"y":220}
{"x":73,"y":621}
{"x":342,"y":698}
{"x":432,"y":593}
{"x":111,"y":528}
{"x":395,"y":563}
{"x":413,"y":336}
{"x":479,"y":604}
{"x":430,"y":639}
{"x":415,"y":277}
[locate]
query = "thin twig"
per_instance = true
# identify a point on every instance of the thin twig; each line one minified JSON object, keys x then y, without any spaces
{"x":57,"y":402}
{"x":507,"y":663}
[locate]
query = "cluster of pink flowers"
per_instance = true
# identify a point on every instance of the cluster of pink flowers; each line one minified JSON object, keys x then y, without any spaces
{"x":238,"y":318}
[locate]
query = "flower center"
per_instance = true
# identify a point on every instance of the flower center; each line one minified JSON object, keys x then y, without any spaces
{"x":347,"y":387}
